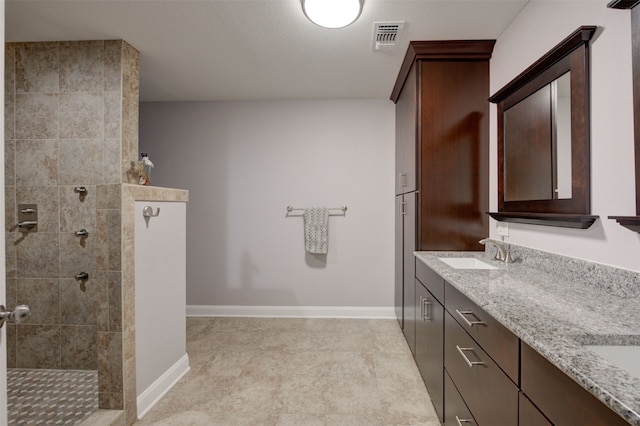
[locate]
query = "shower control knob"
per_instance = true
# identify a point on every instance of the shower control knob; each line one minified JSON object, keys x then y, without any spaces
{"x":20,"y":314}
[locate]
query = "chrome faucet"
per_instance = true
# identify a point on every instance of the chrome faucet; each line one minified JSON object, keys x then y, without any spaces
{"x":503,"y":253}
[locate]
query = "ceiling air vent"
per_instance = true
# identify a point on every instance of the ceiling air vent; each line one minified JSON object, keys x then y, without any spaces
{"x":386,"y":35}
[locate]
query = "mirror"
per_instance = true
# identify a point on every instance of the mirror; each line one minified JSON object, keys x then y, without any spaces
{"x":543,"y":139}
{"x":537,"y":137}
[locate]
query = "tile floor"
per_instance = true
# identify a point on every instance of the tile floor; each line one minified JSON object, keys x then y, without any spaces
{"x":270,"y":371}
{"x":50,"y":397}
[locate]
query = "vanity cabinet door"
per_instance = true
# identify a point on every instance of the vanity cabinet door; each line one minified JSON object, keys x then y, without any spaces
{"x":562,"y":400}
{"x":490,"y":395}
{"x":430,"y":345}
{"x":501,"y":344}
{"x":409,"y":268}
{"x":529,"y":415}
{"x":406,"y":142}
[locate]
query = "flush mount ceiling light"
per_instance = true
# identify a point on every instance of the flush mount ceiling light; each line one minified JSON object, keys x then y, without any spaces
{"x":332,"y":13}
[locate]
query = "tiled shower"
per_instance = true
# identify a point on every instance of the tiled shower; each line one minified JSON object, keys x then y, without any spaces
{"x":71,"y":120}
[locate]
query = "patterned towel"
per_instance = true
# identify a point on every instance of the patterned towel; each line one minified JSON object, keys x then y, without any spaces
{"x":316,"y":230}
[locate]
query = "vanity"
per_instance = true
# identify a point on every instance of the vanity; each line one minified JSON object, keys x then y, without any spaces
{"x":535,"y":342}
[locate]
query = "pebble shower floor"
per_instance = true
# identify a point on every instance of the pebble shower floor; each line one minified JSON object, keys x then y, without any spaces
{"x":50,"y":397}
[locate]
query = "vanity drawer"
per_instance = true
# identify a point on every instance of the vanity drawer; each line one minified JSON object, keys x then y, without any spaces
{"x":456,"y":412}
{"x":490,"y":395}
{"x":431,"y":280}
{"x":500,"y":343}
{"x":562,"y":400}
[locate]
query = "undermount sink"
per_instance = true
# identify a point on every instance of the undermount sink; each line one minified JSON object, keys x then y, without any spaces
{"x":466,"y":263}
{"x":624,"y":357}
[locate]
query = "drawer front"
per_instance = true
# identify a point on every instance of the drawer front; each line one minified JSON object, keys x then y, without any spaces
{"x":560,"y":398}
{"x":500,"y":343}
{"x":431,"y":280}
{"x":529,"y":415}
{"x":488,"y":392}
{"x":456,"y":412}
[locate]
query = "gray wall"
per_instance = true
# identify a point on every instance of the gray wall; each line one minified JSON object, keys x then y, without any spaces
{"x":245,"y":162}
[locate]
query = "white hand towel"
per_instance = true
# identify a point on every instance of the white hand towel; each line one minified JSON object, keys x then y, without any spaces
{"x":316,"y":230}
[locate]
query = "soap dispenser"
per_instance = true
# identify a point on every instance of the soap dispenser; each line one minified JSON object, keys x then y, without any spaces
{"x":144,"y":169}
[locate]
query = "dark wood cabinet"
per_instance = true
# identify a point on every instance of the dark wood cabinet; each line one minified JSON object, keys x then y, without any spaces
{"x":406,"y":115}
{"x":442,"y":157}
{"x":405,"y":265}
{"x":560,"y":398}
{"x":529,"y":415}
{"x":456,"y":412}
{"x":490,"y":395}
{"x":501,"y":344}
{"x":430,"y":345}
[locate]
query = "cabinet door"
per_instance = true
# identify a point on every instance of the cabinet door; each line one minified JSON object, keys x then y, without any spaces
{"x":562,"y":400}
{"x":399,"y":262}
{"x":454,"y":154}
{"x":409,"y":268}
{"x":430,"y":345}
{"x":406,"y":131}
{"x":529,"y":415}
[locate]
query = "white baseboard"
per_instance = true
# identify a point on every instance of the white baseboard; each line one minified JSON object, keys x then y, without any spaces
{"x":291,"y":311}
{"x":160,"y":387}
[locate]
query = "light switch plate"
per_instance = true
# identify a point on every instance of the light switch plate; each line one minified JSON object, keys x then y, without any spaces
{"x":503,"y":229}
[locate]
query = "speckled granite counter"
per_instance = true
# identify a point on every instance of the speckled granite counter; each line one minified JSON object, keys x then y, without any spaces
{"x":556,"y":305}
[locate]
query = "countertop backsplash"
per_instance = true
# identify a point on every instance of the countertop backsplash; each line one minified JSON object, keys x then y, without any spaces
{"x":616,"y":281}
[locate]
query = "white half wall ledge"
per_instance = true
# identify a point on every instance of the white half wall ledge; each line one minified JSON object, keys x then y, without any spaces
{"x":152,"y":395}
{"x":361,"y":312}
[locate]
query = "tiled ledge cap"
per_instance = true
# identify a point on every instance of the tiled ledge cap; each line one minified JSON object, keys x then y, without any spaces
{"x":155,"y":193}
{"x":616,"y":281}
{"x":105,"y":418}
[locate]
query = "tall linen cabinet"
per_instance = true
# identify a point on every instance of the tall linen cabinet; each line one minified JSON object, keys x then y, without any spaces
{"x":442,"y":165}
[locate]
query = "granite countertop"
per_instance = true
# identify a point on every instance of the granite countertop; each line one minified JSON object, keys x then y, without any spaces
{"x":556,"y":313}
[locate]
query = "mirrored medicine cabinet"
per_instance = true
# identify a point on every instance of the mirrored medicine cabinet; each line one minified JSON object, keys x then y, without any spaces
{"x":543,"y":139}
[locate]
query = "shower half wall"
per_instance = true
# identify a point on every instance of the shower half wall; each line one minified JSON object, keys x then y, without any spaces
{"x":71,"y":119}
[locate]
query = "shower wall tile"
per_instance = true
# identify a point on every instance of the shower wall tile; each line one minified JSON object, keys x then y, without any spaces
{"x":10,"y":213}
{"x":37,"y":255}
{"x":130,"y":394}
{"x":77,"y":255}
{"x":77,"y":212}
{"x":10,"y":254}
{"x":81,"y":115}
{"x":46,"y":197}
{"x":11,"y":292}
{"x":36,"y":67}
{"x":114,"y":238}
{"x":113,"y":65}
{"x":9,"y":162}
{"x":78,"y":347}
{"x":110,"y":359}
{"x":79,"y":301}
{"x":102,"y":240}
{"x":36,"y":162}
{"x":112,"y":114}
{"x":10,"y":68}
{"x":114,"y":280}
{"x":38,"y":346}
{"x":11,"y":345}
{"x":81,"y":161}
{"x":115,"y":197}
{"x":36,"y":116}
{"x":81,"y":66}
{"x":43,"y":296}
{"x":112,"y":164}
{"x":9,"y":116}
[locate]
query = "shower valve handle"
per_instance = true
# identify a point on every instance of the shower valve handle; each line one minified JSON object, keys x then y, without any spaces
{"x":19,"y":314}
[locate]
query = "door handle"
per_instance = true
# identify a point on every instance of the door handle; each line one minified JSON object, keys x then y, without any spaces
{"x":19,"y":314}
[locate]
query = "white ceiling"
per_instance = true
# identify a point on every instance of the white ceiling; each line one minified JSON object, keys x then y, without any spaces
{"x":255,"y":49}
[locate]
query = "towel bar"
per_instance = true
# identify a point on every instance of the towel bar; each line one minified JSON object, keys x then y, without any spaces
{"x":343,"y":208}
